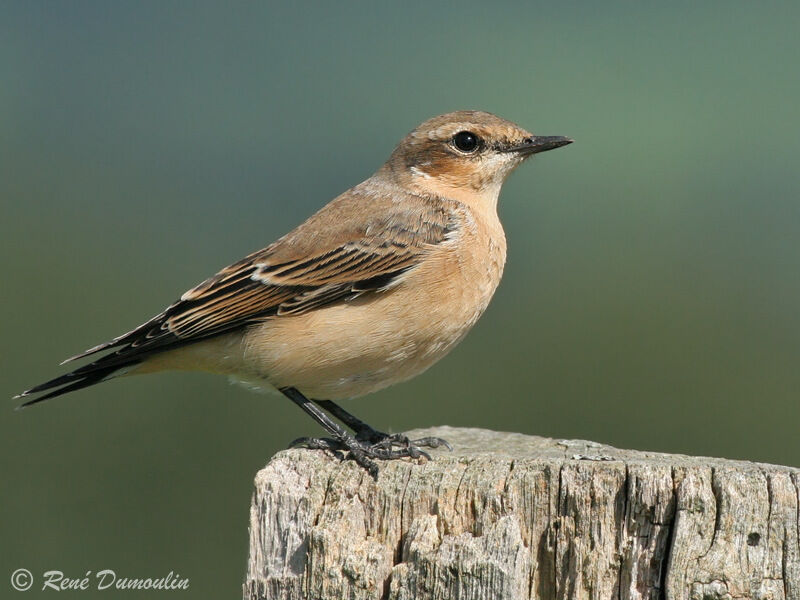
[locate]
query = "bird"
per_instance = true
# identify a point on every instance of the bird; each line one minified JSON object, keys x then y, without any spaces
{"x":371,"y":290}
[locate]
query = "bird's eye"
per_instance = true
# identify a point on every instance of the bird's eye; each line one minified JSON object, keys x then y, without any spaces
{"x":466,"y":141}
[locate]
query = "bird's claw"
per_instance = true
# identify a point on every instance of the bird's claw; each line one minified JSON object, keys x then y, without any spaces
{"x":374,"y":445}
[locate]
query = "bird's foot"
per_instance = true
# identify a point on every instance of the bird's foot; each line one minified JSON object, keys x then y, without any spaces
{"x":379,"y":446}
{"x":389,"y":440}
{"x":313,"y":443}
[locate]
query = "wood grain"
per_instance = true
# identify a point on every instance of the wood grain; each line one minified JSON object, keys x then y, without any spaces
{"x":512,"y":516}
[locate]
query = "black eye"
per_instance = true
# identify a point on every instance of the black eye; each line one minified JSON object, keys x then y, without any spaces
{"x":466,"y":141}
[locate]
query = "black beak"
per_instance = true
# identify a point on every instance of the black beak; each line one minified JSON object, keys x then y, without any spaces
{"x":540,"y":143}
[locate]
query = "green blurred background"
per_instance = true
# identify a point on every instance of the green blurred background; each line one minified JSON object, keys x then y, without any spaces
{"x":650,"y":298}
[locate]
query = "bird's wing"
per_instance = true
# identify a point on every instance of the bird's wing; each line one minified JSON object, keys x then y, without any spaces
{"x":356,"y":245}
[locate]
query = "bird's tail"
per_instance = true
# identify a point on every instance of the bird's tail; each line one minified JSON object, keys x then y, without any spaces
{"x":100,"y":370}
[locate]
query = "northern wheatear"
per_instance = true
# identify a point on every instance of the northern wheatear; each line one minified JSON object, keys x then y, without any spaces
{"x":371,"y":290}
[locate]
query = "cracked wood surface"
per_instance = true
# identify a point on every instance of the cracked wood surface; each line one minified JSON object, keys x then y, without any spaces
{"x":513,"y":516}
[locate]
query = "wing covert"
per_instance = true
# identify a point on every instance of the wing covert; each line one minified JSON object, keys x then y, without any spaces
{"x":286,"y":279}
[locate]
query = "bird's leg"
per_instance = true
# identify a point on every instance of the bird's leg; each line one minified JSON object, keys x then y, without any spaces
{"x":378,"y":438}
{"x":342,"y":439}
{"x":361,"y":429}
{"x":361,"y":451}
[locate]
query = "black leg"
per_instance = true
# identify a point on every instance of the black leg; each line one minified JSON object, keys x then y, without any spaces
{"x":368,"y":444}
{"x":361,"y":429}
{"x":341,"y":436}
{"x":320,"y":417}
{"x":378,"y":438}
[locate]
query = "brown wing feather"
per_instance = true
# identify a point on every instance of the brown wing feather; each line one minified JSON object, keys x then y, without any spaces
{"x":363,"y":256}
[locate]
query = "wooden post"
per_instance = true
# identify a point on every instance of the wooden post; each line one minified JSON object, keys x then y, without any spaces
{"x":513,"y":516}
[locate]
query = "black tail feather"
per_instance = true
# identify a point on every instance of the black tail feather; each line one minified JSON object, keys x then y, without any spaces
{"x":75,"y":380}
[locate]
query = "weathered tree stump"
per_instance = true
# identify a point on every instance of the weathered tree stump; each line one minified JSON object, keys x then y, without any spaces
{"x":513,"y":516}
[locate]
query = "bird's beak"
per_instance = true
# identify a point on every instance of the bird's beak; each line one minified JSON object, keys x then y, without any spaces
{"x":540,"y":143}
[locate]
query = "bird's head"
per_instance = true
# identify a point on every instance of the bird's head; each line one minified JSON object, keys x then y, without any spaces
{"x":465,"y":153}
